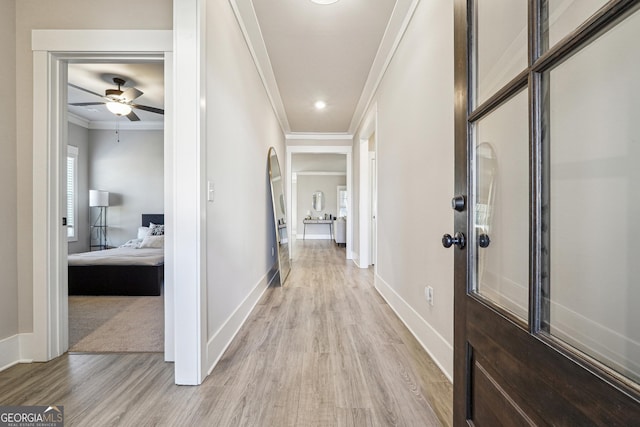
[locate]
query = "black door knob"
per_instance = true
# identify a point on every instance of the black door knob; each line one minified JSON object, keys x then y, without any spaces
{"x":484,"y":240}
{"x":459,"y":240}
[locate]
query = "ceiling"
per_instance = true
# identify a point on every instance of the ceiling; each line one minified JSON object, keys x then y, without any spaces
{"x":304,"y":51}
{"x":147,"y":77}
{"x":321,"y":52}
{"x":336,"y":53}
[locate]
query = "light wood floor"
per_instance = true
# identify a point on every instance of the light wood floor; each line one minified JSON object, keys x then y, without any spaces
{"x":325,"y":350}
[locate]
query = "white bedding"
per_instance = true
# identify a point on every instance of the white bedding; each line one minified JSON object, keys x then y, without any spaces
{"x":119,"y":256}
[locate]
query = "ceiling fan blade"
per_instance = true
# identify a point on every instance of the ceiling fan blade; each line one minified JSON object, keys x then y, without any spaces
{"x":130,"y":94}
{"x":147,"y":108}
{"x":84,"y":104}
{"x":133,"y":117}
{"x":85,"y":90}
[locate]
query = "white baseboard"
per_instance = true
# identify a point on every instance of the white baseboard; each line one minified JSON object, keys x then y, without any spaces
{"x":356,"y":261}
{"x":219,"y":342}
{"x":440,"y":350}
{"x":11,"y":351}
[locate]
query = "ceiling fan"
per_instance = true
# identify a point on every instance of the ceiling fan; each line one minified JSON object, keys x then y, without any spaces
{"x":119,"y":102}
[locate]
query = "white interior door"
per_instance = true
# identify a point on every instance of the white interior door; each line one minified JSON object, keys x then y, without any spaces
{"x":374,"y":207}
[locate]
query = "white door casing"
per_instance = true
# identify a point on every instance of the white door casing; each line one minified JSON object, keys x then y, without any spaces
{"x":338,"y":149}
{"x":373,"y":189}
{"x":52,"y":49}
{"x":369,"y":128}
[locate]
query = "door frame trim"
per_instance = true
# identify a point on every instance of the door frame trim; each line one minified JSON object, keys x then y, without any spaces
{"x":369,"y":128}
{"x":325,"y":149}
{"x":50,"y":49}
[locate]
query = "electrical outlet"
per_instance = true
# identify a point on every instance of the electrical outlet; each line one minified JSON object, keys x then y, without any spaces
{"x":428,"y":294}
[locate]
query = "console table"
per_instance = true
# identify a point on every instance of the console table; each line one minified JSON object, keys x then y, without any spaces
{"x":329,"y":222}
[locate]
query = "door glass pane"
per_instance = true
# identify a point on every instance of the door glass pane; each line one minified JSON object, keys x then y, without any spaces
{"x":595,"y":199}
{"x":501,"y":213}
{"x":567,"y":15}
{"x":501,"y":52}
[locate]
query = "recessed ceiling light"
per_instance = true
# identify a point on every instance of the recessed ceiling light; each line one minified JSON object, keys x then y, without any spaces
{"x":320,"y":105}
{"x":324,"y":1}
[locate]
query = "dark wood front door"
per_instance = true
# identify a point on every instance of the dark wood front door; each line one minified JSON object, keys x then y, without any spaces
{"x":546,"y":213}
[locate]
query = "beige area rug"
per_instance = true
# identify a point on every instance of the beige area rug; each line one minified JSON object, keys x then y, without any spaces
{"x":116,"y":324}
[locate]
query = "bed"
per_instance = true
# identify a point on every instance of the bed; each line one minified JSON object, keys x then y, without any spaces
{"x":128,"y":270}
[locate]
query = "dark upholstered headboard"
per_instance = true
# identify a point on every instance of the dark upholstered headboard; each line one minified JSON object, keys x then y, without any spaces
{"x":154,"y":218}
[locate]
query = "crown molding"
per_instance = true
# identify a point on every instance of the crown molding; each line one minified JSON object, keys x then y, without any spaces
{"x":111,"y":125}
{"x":77,"y":120}
{"x":297,"y":136}
{"x":248,"y":22}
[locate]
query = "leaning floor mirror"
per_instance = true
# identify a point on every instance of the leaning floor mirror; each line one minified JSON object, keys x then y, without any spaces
{"x":279,"y":214}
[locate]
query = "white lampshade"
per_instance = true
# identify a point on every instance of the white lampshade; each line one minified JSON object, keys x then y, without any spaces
{"x":118,"y":108}
{"x":98,"y":198}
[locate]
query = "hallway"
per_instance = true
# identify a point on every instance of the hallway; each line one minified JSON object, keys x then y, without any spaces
{"x":325,"y":350}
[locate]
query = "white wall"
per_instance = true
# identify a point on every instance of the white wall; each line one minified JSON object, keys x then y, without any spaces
{"x":132,"y":171}
{"x":58,"y":14}
{"x":78,"y":136}
{"x":8,"y":213}
{"x":306,"y":186}
{"x":241,"y":126}
{"x":415,"y":178}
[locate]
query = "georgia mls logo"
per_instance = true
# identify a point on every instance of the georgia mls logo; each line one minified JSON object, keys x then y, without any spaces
{"x":53,"y":408}
{"x":31,"y":416}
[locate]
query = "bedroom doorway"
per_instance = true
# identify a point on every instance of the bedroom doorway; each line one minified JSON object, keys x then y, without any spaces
{"x":52,"y":51}
{"x":116,"y":179}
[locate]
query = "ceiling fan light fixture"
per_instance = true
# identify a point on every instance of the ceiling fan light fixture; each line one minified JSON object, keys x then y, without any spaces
{"x":320,"y":105}
{"x":324,"y":1}
{"x":118,"y":108}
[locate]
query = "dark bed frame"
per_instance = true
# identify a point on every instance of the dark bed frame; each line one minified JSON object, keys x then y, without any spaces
{"x":134,"y":280}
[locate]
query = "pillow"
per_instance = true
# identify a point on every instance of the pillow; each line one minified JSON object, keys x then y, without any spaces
{"x":153,"y":242}
{"x":143,"y":232}
{"x":156,"y":229}
{"x":133,"y":243}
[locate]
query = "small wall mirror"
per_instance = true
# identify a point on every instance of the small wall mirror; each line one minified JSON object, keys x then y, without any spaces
{"x":279,"y":215}
{"x":317,"y":201}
